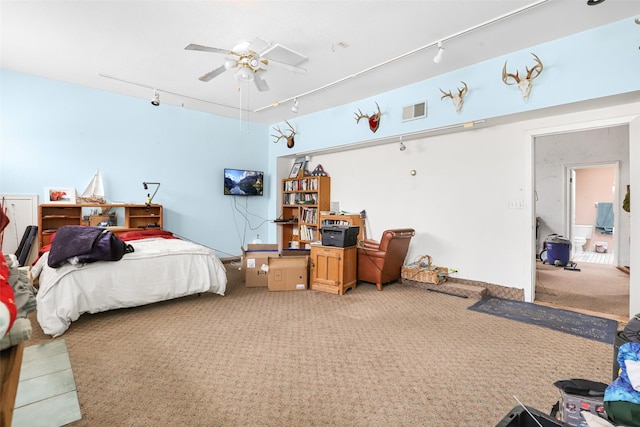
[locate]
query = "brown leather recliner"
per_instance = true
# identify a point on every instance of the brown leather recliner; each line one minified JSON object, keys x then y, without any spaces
{"x":382,"y":262}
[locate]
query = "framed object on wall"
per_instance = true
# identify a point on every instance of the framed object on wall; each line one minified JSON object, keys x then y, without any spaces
{"x":295,"y":169}
{"x":60,"y":195}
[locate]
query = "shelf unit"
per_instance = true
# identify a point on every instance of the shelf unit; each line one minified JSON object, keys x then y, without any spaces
{"x":302,"y":199}
{"x":53,"y":216}
{"x":344,"y":219}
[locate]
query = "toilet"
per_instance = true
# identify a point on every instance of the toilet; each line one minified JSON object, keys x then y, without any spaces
{"x":581,"y":233}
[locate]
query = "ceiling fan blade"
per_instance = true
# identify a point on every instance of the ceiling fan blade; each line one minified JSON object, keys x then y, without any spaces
{"x":258,"y":45}
{"x":260,"y":83}
{"x":287,"y":66}
{"x":206,"y":49}
{"x":283,"y":54}
{"x":211,"y":74}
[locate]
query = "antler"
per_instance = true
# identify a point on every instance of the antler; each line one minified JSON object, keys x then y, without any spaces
{"x":538,"y":67}
{"x":361,"y":115}
{"x":461,"y":91}
{"x":445,"y":94}
{"x":530,"y":76}
{"x":506,"y":75}
{"x":288,"y":138}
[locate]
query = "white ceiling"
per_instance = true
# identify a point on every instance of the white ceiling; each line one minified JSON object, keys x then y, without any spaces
{"x":141,"y":45}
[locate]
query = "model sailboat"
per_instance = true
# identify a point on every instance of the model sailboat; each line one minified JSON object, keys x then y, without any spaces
{"x":94,"y":193}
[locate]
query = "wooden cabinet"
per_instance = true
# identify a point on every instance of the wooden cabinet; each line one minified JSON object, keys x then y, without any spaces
{"x":333,"y":269}
{"x":128,"y":217}
{"x":303,"y":199}
{"x":346,"y":219}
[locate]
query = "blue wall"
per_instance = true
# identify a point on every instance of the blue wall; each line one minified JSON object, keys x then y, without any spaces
{"x":56,"y":134}
{"x":593,"y":64}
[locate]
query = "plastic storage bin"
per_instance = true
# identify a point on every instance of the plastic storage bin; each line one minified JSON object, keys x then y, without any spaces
{"x":573,"y":404}
{"x":518,"y":417}
{"x":618,"y":340}
{"x":558,"y":249}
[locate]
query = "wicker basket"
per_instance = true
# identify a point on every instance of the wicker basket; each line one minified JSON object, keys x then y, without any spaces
{"x":428,"y":274}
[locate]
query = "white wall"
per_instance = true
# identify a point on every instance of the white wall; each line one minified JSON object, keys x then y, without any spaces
{"x":459,"y":200}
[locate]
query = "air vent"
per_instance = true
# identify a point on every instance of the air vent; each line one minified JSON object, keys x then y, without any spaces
{"x":415,"y":111}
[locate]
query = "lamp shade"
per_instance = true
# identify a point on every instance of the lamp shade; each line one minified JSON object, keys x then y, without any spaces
{"x":244,"y":75}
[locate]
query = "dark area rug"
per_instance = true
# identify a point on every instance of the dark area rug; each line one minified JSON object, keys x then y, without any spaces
{"x":583,"y":325}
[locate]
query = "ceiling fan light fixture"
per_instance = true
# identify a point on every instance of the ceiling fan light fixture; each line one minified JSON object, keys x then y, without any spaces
{"x":244,"y":75}
{"x":229,"y":63}
{"x":294,"y":108}
{"x":439,"y":54}
{"x":155,"y":101}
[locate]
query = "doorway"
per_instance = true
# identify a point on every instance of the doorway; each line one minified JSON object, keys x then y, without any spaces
{"x":593,"y":190}
{"x":577,"y":174}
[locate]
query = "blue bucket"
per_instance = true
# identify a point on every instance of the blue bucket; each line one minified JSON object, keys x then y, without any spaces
{"x":558,"y":250}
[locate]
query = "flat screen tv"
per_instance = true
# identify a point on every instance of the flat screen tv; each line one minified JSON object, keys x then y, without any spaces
{"x":242,"y":182}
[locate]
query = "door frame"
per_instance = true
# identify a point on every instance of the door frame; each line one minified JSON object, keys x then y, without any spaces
{"x":614,"y":117}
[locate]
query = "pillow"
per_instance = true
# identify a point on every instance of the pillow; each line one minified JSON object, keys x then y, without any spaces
{"x":145,"y":234}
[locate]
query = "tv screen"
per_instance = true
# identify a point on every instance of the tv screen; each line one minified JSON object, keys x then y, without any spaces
{"x":241,"y":182}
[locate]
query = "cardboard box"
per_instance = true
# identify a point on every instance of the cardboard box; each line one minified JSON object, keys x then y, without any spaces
{"x":295,"y":252}
{"x":288,"y":273}
{"x":94,"y":220}
{"x":255,"y":263}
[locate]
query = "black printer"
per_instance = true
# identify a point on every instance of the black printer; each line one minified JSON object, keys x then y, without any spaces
{"x":341,"y":236}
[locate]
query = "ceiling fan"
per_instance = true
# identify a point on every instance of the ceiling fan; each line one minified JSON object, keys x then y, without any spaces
{"x":250,"y":60}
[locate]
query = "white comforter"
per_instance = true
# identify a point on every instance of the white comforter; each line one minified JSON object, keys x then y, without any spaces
{"x":158,"y":270}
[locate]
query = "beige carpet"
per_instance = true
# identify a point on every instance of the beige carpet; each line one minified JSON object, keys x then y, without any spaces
{"x":596,"y":288}
{"x":401,"y":357}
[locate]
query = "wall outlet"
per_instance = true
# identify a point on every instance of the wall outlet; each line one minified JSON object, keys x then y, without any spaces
{"x":516,"y":204}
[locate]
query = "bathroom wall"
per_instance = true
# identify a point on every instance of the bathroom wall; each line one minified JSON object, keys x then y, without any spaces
{"x":594,"y":185}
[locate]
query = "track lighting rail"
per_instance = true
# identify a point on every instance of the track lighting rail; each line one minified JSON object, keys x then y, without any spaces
{"x":411,"y":52}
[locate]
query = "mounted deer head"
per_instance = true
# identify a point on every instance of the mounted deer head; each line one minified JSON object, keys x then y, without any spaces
{"x":288,"y":137}
{"x":458,"y":99}
{"x":524,"y":83}
{"x":374,"y":119}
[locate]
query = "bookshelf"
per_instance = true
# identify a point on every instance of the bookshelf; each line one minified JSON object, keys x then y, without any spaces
{"x":303,"y":198}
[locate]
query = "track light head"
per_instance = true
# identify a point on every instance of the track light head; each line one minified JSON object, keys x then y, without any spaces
{"x":294,"y":108}
{"x":155,"y":101}
{"x":439,"y":54}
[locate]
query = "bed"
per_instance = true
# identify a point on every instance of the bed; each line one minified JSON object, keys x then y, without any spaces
{"x":160,"y":268}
